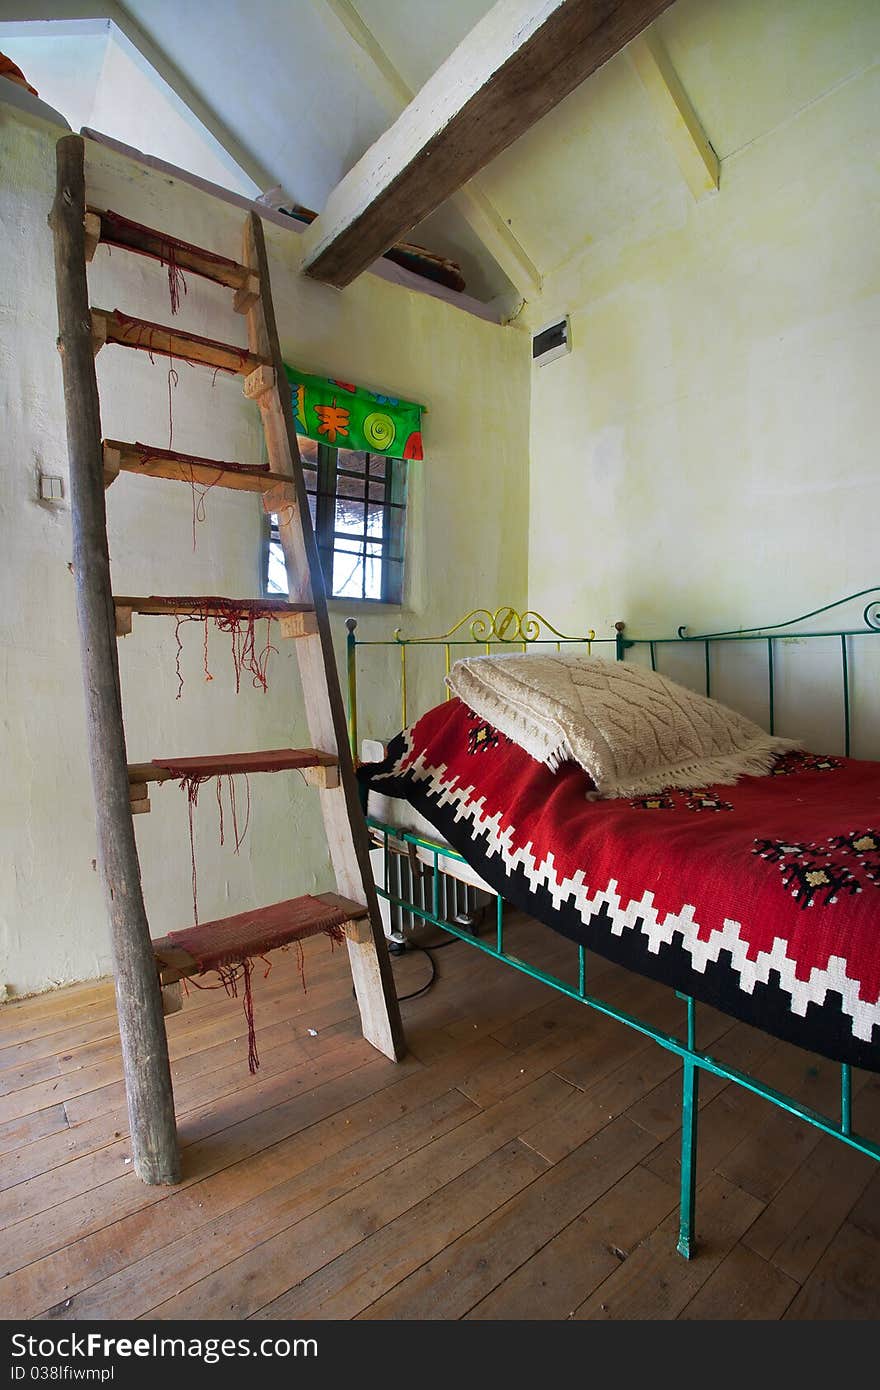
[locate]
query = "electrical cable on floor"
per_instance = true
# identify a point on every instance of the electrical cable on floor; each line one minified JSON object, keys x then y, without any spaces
{"x":427,"y":951}
{"x":417,"y":993}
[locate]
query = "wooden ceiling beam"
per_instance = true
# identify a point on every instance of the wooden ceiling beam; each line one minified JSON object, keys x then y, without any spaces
{"x":516,"y":65}
{"x":471,"y":202}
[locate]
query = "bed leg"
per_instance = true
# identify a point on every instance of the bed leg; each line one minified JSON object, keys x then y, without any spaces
{"x":689,"y":1104}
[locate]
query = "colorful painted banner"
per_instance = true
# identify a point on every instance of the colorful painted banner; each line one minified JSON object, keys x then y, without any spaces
{"x":350,"y":417}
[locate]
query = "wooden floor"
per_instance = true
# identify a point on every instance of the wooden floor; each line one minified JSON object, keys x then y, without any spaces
{"x":520,"y":1163}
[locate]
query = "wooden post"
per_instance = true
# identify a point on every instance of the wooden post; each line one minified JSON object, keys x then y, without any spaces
{"x":138,"y":997}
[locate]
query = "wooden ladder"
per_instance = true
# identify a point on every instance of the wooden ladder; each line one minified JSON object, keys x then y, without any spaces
{"x":139,"y":963}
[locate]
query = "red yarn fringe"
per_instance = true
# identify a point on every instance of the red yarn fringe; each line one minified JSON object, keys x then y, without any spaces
{"x":140,"y":333}
{"x":240,"y":623}
{"x":242,"y":971}
{"x":199,"y":490}
{"x":167,"y":254}
{"x":192,"y":783}
{"x":229,"y":976}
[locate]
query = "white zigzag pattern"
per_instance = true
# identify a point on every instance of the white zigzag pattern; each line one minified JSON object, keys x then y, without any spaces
{"x":865,"y":1016}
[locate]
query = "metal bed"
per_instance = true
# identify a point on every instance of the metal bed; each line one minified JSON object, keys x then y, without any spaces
{"x":505,"y":627}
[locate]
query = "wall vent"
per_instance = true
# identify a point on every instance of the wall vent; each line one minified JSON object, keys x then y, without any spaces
{"x":551,"y":342}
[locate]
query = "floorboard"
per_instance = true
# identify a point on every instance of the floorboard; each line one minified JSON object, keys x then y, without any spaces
{"x":521,"y":1162}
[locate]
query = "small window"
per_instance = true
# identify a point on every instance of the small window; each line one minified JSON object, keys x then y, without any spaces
{"x":358,"y":507}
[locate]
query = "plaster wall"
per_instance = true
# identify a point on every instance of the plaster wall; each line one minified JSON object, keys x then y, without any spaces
{"x":706,"y":454}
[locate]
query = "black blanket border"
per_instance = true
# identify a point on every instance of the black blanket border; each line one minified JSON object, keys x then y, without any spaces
{"x":825,"y":1029}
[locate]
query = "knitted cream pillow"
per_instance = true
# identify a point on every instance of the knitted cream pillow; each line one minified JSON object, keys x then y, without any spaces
{"x":634,"y":731}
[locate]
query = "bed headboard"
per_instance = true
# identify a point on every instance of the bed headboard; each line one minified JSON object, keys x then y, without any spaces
{"x":482,"y":627}
{"x":855,"y":617}
{"x":765,"y":653}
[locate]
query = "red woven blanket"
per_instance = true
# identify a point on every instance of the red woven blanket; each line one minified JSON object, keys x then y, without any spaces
{"x":762,"y":898}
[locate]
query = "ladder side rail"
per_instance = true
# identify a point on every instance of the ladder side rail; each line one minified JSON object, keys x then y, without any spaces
{"x":149,"y":1094}
{"x":344,"y":823}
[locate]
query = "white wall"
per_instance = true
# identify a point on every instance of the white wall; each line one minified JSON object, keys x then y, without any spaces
{"x":467,"y":546}
{"x":707,"y":454}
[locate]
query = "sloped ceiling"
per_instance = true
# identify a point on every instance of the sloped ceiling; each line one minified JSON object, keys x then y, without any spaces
{"x":71,"y":70}
{"x":306,"y":100}
{"x":302,"y":93}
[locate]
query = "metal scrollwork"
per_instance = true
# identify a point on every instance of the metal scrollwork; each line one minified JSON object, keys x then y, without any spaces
{"x":505,"y":624}
{"x":870,"y":617}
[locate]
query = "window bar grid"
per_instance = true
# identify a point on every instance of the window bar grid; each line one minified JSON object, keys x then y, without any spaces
{"x":376,"y":483}
{"x":385,"y":572}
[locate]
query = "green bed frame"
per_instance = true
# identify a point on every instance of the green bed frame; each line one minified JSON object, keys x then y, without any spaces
{"x":505,"y":628}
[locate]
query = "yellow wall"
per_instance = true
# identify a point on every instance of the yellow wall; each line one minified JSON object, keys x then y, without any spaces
{"x":707,"y":454}
{"x":467,"y":541}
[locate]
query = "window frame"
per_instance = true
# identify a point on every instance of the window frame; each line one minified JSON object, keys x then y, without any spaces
{"x":392,"y":560}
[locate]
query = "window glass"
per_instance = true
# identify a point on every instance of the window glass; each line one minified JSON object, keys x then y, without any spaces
{"x":358,"y":507}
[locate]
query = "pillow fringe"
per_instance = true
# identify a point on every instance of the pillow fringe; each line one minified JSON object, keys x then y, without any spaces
{"x":723,"y":771}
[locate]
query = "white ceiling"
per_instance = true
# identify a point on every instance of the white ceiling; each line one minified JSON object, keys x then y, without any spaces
{"x":305,"y":100}
{"x":419,"y":37}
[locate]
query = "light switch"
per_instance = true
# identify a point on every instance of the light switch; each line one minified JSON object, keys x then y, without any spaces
{"x":51,"y":488}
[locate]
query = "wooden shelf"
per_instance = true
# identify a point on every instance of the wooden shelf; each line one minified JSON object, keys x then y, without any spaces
{"x":221,"y":764}
{"x":319,"y":769}
{"x":108,"y":227}
{"x":294,"y":619}
{"x":188,"y":468}
{"x":112,"y":326}
{"x":229,"y":940}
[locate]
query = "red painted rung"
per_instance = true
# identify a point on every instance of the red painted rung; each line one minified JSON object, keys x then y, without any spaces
{"x":230,"y":940}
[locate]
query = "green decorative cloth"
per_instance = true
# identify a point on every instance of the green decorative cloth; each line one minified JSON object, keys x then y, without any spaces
{"x":350,"y":417}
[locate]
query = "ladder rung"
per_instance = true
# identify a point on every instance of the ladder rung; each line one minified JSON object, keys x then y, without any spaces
{"x":147,"y":241}
{"x":219,"y":765}
{"x":210,"y":606}
{"x":186,"y":468}
{"x":293,"y":619}
{"x":229,"y":940}
{"x":112,"y":326}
